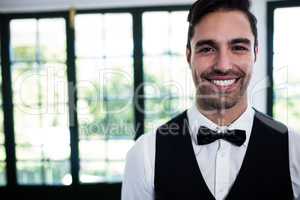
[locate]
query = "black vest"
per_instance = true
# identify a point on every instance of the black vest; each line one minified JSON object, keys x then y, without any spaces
{"x":264,"y":174}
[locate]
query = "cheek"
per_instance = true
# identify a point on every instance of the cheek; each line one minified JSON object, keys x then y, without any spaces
{"x":200,"y":66}
{"x":195,"y":75}
{"x":245,"y":65}
{"x":196,"y":72}
{"x":248,"y":69}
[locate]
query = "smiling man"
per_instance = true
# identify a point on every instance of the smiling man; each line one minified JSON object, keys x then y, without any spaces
{"x":221,"y":148}
{"x":221,"y":52}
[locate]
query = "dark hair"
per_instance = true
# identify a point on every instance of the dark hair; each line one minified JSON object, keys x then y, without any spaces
{"x":203,"y":7}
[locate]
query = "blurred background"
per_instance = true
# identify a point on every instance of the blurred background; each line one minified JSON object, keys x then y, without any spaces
{"x":82,"y":80}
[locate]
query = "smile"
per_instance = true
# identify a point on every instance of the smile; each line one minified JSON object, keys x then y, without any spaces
{"x":224,"y":83}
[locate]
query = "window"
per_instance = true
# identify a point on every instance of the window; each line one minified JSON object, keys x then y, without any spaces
{"x":286,"y":72}
{"x":40,"y":100}
{"x":107,"y":53}
{"x":169,"y":87}
{"x":104,"y":48}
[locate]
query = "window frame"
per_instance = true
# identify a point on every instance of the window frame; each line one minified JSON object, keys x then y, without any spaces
{"x":109,"y":190}
{"x":271,"y":7}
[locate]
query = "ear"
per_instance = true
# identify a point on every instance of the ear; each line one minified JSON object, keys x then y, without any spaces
{"x":188,"y":55}
{"x":255,"y":53}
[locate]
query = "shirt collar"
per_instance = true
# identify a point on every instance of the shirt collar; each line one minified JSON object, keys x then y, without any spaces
{"x":197,"y":119}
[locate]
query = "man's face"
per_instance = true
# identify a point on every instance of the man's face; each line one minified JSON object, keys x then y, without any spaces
{"x":222,"y":56}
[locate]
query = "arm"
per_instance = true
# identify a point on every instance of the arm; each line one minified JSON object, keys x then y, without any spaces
{"x":138,"y":175}
{"x":294,"y":150}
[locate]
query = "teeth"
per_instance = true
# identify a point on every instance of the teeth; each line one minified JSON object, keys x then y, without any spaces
{"x":223,"y":82}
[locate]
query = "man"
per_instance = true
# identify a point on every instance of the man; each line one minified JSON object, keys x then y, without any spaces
{"x":221,"y":148}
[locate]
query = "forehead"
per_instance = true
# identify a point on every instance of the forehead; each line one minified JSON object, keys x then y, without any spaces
{"x":223,"y":26}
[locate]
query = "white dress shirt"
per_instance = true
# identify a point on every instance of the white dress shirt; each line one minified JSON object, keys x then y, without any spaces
{"x":219,"y":161}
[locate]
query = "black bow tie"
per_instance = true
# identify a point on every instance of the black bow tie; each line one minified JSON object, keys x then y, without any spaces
{"x":206,"y":136}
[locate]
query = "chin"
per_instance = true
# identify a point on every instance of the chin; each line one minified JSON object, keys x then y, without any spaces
{"x":219,"y":104}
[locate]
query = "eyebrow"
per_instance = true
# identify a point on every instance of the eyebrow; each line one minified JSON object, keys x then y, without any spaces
{"x":240,"y":40}
{"x":213,"y":43}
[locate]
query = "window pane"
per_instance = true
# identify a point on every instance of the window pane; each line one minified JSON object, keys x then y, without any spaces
{"x":89,"y":36}
{"x":40,"y":172}
{"x":158,"y":32}
{"x":286,"y":70}
{"x":40,"y":101}
{"x":117,"y":44}
{"x":111,"y":153}
{"x":101,"y":171}
{"x":96,"y":35}
{"x":29,"y":172}
{"x":2,"y":153}
{"x":29,"y":152}
{"x":52,"y":39}
{"x":2,"y":173}
{"x":157,"y":112}
{"x":115,"y":170}
{"x":178,"y":21}
{"x":23,"y":39}
{"x":49,"y":80}
{"x":92,"y":149}
{"x":92,"y":171}
{"x":2,"y":141}
{"x":172,"y":34}
{"x":105,"y":91}
{"x":115,"y":149}
{"x":286,"y":107}
{"x":1,"y":126}
{"x":169,"y":87}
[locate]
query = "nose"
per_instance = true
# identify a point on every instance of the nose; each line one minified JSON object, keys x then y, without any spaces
{"x":223,"y":61}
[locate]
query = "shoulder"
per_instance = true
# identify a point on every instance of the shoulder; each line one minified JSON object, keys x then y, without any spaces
{"x":139,"y":169}
{"x":270,"y":122}
{"x":138,"y":175}
{"x":294,"y":143}
{"x":143,"y":147}
{"x":143,"y":151}
{"x":173,"y":126}
{"x":294,"y":152}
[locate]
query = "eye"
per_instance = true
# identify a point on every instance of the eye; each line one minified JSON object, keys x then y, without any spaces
{"x":206,"y":50}
{"x":240,"y":48}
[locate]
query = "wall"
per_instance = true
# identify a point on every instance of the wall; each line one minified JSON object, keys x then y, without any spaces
{"x":259,"y":83}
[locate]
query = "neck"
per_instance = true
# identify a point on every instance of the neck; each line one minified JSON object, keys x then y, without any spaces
{"x":226,"y":116}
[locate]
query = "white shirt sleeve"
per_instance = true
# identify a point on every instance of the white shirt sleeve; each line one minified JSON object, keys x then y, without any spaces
{"x":138,"y":177}
{"x":294,"y":150}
